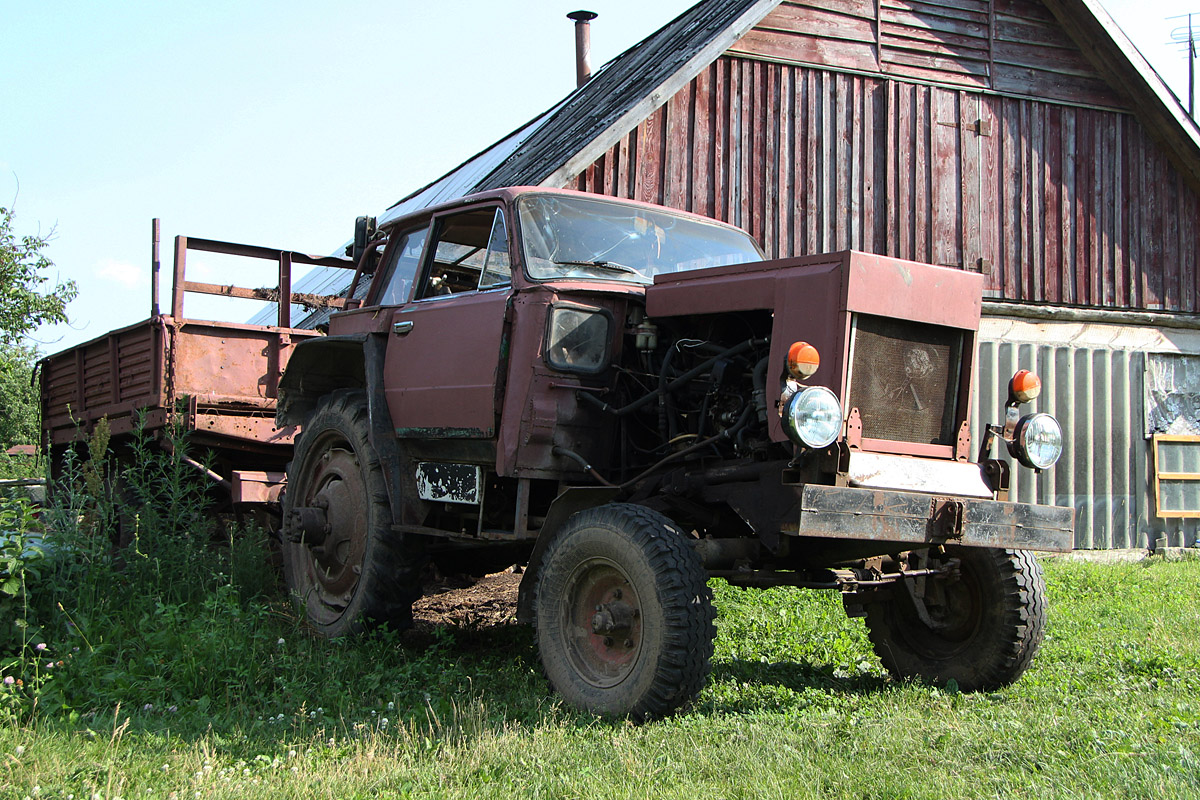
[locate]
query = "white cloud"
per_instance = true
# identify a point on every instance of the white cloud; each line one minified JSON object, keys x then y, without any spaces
{"x":121,"y":272}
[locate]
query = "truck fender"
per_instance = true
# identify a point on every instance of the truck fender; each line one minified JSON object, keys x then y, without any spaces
{"x":572,"y":500}
{"x":316,"y":368}
{"x":320,"y":366}
{"x":403,"y":497}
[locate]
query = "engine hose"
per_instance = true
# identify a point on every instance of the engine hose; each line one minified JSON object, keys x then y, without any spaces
{"x":760,"y":388}
{"x":728,"y":433}
{"x":588,"y":398}
{"x":664,"y":429}
{"x":559,"y":450}
{"x":703,"y":415}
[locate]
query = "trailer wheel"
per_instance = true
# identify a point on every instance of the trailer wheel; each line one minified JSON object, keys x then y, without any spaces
{"x":343,"y":564}
{"x":982,"y":628}
{"x":624,"y":613}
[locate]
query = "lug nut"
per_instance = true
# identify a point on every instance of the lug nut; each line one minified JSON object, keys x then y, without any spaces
{"x":629,"y":642}
{"x":608,"y":642}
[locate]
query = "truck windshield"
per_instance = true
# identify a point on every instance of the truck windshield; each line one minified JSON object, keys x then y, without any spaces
{"x":578,"y":237}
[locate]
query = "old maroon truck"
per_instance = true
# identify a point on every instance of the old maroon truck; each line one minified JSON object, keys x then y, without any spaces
{"x":628,"y":401}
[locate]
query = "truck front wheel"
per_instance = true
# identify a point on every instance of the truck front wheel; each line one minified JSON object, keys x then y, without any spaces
{"x":980,"y":628}
{"x":624,"y":613}
{"x":343,"y":564}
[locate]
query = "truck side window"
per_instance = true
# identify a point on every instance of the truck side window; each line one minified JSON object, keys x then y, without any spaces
{"x":497,"y":271}
{"x":402,"y":267}
{"x":471,"y":252}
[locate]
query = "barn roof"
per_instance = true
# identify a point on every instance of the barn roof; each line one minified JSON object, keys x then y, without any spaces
{"x":557,"y":145}
{"x":563,"y":141}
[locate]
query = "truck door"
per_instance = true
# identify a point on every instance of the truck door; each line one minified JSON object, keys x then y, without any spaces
{"x":443,"y":359}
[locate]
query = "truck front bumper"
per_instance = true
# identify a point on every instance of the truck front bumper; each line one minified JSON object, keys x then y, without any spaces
{"x":921,"y":519}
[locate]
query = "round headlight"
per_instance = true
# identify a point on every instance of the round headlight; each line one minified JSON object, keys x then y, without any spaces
{"x":813,"y":417}
{"x":1037,"y":441}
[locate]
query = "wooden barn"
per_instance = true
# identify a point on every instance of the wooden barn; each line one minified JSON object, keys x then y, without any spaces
{"x":1024,"y":139}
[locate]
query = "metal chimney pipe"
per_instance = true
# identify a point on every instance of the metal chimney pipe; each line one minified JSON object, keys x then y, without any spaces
{"x":583,"y":45}
{"x":155,"y":265}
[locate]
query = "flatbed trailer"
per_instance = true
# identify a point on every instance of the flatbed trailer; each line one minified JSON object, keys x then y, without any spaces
{"x":218,"y":381}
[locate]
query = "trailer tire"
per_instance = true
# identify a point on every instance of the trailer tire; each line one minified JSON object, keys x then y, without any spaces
{"x":989,"y":627}
{"x":355,"y":573}
{"x":624,"y":614}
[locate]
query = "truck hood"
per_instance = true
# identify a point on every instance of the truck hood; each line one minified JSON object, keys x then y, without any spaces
{"x":846,"y":281}
{"x":815,"y":299}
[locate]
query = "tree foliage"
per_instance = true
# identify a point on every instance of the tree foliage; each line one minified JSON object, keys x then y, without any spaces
{"x":18,"y":395}
{"x":28,"y":297}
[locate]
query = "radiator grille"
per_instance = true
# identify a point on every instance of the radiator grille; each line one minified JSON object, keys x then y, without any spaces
{"x":904,"y":379}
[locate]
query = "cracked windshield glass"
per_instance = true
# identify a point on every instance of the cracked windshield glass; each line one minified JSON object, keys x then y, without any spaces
{"x":572,"y":237}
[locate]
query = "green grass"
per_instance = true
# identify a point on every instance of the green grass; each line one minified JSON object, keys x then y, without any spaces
{"x":226,"y":696}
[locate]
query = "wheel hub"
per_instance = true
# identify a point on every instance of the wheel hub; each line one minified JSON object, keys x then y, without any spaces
{"x":614,"y":617}
{"x":309,"y":524}
{"x":603,"y":613}
{"x":333,"y":524}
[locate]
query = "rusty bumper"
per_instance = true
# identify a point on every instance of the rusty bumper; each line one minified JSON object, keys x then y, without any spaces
{"x":908,"y":518}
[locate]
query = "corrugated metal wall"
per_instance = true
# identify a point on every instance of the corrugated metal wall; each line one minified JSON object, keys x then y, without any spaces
{"x":1106,"y":470}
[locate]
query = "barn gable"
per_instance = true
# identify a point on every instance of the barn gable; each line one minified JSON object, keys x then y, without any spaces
{"x":1009,"y":46}
{"x":829,"y":126}
{"x":557,"y":145}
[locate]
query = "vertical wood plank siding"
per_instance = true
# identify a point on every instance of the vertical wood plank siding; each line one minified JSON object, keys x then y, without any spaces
{"x":1053,"y":203}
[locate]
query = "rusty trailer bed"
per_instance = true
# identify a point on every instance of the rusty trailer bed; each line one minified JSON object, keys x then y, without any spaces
{"x":219,"y":379}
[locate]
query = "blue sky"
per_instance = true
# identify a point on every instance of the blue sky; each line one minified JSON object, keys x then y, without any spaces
{"x":277,"y":123}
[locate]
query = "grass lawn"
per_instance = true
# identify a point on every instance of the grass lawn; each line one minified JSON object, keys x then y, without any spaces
{"x":229,"y":698}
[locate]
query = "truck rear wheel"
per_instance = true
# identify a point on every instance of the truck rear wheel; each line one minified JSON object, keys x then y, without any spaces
{"x":624,"y":613}
{"x":343,"y":564}
{"x":981,"y":629}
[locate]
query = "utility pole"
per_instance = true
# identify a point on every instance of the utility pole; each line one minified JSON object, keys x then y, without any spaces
{"x":1187,"y":36}
{"x":1191,"y":69}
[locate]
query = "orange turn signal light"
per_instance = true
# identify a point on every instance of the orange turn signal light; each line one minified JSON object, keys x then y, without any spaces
{"x":802,"y":360}
{"x":1025,"y":386}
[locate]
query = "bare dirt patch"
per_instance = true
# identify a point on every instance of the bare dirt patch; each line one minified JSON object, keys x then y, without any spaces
{"x":491,"y":601}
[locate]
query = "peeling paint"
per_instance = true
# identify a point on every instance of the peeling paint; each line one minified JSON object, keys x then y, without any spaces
{"x":449,"y":483}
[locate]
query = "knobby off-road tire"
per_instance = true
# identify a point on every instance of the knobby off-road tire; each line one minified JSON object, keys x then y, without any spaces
{"x":362,"y":574}
{"x":624,"y":614}
{"x":987,"y":632}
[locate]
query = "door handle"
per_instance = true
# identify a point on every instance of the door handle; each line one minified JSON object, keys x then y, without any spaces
{"x":402,"y":327}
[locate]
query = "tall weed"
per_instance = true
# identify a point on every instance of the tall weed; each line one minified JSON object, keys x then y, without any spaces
{"x":140,"y":596}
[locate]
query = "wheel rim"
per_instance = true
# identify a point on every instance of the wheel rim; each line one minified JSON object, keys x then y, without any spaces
{"x":332,"y":567}
{"x":602,"y":612}
{"x":956,"y":621}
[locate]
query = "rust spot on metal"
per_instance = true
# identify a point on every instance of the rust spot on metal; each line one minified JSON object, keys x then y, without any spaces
{"x":854,"y":430}
{"x":962,"y":447}
{"x":946,"y":519}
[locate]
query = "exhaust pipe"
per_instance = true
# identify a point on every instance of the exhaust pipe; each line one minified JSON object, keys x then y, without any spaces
{"x":583,"y":45}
